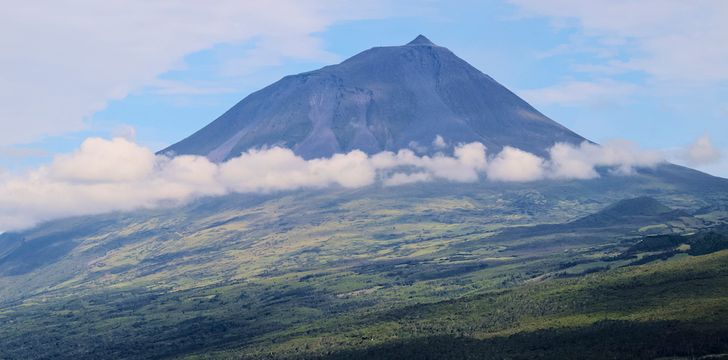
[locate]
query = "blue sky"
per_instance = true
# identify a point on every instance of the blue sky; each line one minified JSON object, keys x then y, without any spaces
{"x":652,"y":72}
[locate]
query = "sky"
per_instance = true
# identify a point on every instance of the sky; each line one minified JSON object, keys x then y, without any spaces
{"x":651,"y":72}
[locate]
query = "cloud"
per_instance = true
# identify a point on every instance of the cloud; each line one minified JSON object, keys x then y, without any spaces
{"x":439,"y":143}
{"x":119,"y":175}
{"x":671,"y":40}
{"x":21,"y":152}
{"x":280,"y":169}
{"x":125,"y":131}
{"x":70,"y":58}
{"x":575,"y":93}
{"x":572,"y":162}
{"x":513,"y":164}
{"x":102,"y":176}
{"x":701,"y":152}
{"x":99,"y":160}
{"x":414,"y":145}
{"x":467,"y":164}
{"x":580,"y":162}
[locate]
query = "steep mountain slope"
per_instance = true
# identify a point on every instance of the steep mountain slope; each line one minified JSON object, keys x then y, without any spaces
{"x":385,"y":98}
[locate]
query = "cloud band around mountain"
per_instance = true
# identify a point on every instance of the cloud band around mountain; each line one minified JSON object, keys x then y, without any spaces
{"x":119,"y":175}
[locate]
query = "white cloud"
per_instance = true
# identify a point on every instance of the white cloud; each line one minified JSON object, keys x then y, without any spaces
{"x":567,"y":161}
{"x":414,"y":145}
{"x":570,"y":162}
{"x":579,"y":162}
{"x":65,"y":60}
{"x":439,"y":142}
{"x":100,"y":160}
{"x":513,"y":164}
{"x":575,"y":93}
{"x":119,"y":175}
{"x":124,"y":131}
{"x":701,"y":152}
{"x":21,"y":152}
{"x":671,"y":40}
{"x":280,"y":169}
{"x":110,"y":175}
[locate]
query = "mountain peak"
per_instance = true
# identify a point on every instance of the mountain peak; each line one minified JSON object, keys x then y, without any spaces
{"x":385,"y":98}
{"x":421,"y":40}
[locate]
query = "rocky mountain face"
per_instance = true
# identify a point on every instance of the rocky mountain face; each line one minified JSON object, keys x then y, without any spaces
{"x":385,"y":98}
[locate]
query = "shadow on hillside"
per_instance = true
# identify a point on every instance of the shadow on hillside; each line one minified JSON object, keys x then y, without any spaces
{"x":603,"y":340}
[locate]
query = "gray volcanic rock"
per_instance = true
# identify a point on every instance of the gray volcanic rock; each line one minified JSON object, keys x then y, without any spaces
{"x":385,"y":98}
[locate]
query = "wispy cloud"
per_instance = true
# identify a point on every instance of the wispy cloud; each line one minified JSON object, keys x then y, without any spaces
{"x":21,"y":152}
{"x":64,"y":61}
{"x":577,"y":93}
{"x":670,"y":40}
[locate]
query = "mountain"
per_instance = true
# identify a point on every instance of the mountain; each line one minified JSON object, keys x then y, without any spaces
{"x":385,"y":98}
{"x":612,"y":267}
{"x":405,"y":272}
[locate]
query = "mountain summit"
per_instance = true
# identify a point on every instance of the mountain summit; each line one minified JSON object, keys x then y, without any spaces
{"x":420,"y":40}
{"x":385,"y":98}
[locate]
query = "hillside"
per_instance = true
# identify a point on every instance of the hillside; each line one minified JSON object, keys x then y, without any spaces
{"x":637,"y":210}
{"x":346,"y":273}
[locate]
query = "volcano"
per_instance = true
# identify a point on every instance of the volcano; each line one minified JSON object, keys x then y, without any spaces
{"x":385,"y":98}
{"x":554,"y":268}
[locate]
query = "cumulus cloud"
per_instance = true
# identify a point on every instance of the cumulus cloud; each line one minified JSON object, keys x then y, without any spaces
{"x":466,"y":165}
{"x":280,"y":169}
{"x":99,"y":160}
{"x":513,"y":164}
{"x":568,"y":161}
{"x":579,"y":162}
{"x":118,"y":175}
{"x":109,"y":175}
